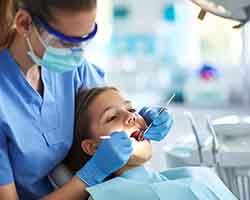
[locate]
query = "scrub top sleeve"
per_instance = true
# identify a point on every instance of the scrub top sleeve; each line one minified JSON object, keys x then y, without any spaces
{"x":6,"y":174}
{"x":89,"y":75}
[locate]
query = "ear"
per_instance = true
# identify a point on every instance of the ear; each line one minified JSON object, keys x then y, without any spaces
{"x":23,"y":22}
{"x":89,"y":146}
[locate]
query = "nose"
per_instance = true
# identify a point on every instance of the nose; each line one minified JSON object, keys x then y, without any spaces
{"x":130,"y":119}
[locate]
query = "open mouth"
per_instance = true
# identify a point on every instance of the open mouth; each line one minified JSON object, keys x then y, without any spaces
{"x":138,"y":135}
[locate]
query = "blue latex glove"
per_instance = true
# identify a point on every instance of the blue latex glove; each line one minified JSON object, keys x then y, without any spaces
{"x":161,"y":124}
{"x":111,"y":155}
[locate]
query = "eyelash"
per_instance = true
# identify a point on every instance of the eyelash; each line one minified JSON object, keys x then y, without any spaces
{"x":132,"y":110}
{"x":111,"y":118}
{"x":66,"y":44}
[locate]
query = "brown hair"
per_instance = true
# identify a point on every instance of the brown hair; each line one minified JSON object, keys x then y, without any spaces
{"x":40,"y":8}
{"x":76,"y":157}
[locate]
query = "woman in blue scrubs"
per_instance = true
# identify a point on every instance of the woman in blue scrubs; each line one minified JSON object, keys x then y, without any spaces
{"x":41,"y":68}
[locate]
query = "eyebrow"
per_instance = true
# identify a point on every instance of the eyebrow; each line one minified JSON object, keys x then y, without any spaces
{"x":110,"y":107}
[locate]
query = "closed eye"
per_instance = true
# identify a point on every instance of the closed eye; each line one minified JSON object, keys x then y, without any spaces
{"x":111,"y":118}
{"x":132,"y":110}
{"x":66,"y":44}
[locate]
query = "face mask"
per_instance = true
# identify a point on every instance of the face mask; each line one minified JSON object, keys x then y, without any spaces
{"x":57,"y":59}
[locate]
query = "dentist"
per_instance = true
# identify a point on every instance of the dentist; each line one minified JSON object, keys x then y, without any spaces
{"x":42,"y":66}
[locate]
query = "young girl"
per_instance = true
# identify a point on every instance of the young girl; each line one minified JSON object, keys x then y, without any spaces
{"x":104,"y":110}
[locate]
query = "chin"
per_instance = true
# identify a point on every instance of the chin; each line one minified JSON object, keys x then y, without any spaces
{"x":136,"y":160}
{"x":142,"y":152}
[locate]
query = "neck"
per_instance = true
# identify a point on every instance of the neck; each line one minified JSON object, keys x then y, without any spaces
{"x":19,"y":49}
{"x":31,"y":71}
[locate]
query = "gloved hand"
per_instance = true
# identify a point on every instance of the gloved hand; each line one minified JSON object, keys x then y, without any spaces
{"x":111,"y":155}
{"x":161,"y":123}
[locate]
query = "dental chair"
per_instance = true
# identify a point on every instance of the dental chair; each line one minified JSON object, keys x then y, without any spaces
{"x":61,"y":175}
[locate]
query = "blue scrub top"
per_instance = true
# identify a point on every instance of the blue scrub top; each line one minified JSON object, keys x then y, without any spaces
{"x":36,"y":132}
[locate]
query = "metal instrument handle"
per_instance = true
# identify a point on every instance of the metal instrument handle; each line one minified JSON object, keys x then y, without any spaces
{"x":195,"y":132}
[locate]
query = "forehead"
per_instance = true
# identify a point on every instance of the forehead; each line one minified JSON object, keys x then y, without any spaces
{"x":106,"y":99}
{"x":73,"y":23}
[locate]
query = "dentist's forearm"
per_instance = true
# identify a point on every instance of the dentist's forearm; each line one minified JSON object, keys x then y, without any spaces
{"x":75,"y":189}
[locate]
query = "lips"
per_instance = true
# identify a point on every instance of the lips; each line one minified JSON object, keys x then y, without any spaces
{"x":138,"y":135}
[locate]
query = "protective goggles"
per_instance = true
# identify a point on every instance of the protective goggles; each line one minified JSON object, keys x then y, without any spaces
{"x":56,"y":39}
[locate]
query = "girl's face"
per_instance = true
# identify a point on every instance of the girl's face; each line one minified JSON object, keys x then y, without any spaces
{"x":110,"y":112}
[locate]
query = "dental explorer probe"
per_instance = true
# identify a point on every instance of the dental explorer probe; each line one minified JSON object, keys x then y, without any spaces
{"x":150,"y":125}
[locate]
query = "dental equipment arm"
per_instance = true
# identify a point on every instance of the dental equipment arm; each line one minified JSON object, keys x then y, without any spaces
{"x":195,"y":132}
{"x":215,"y":145}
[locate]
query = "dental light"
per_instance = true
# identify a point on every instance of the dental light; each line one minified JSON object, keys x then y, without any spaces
{"x":231,"y":9}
